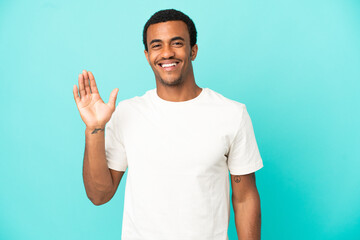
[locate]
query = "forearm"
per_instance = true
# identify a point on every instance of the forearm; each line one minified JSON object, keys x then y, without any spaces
{"x":248,"y":217}
{"x":96,"y":174}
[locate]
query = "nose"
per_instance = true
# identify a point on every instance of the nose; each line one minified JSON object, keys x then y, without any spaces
{"x":167,"y":51}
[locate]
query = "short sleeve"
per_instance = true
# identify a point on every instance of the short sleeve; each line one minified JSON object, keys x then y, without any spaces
{"x":114,"y":146}
{"x":244,"y":156}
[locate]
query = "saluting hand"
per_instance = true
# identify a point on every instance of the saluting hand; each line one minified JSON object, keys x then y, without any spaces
{"x":93,"y":111}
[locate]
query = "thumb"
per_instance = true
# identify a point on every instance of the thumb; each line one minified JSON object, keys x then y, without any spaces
{"x":112,"y":98}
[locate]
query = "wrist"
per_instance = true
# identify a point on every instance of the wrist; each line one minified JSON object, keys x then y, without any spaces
{"x":95,"y":129}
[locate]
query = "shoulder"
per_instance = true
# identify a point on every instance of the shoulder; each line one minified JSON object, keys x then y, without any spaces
{"x":229,"y":105}
{"x":134,"y":102}
{"x":127,"y":110}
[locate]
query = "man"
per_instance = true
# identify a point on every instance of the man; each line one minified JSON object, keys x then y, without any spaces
{"x":178,"y":142}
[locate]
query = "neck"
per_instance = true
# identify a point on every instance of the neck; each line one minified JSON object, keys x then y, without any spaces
{"x":180,"y":93}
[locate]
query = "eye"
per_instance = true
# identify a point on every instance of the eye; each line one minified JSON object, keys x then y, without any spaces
{"x":155,"y":46}
{"x":178,"y":44}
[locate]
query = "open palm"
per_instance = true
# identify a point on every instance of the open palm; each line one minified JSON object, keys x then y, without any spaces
{"x":93,"y":111}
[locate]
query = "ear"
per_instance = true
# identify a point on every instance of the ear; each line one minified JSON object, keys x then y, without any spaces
{"x":194,"y":51}
{"x":147,"y":56}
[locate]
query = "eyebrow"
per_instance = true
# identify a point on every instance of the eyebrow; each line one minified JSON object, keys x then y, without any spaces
{"x":177,"y":38}
{"x":155,"y":40}
{"x":173,"y":39}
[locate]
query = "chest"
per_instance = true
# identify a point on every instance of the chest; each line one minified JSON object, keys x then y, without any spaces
{"x":190,"y":142}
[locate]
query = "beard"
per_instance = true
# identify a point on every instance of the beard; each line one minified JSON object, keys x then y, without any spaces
{"x":175,"y":83}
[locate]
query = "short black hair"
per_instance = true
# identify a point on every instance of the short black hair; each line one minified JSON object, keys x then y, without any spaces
{"x":170,"y":15}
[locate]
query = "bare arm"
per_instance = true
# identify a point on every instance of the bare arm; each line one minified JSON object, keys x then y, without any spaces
{"x":100,"y":181}
{"x":246,"y":203}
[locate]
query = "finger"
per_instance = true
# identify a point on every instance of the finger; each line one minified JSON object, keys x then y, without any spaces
{"x":86,"y":80}
{"x":76,"y":94}
{"x":112,"y":98}
{"x":93,"y":86}
{"x":81,"y":86}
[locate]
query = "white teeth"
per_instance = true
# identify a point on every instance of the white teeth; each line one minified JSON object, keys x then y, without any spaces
{"x":168,"y":65}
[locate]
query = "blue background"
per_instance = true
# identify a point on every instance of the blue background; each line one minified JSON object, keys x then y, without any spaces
{"x":295,"y":64}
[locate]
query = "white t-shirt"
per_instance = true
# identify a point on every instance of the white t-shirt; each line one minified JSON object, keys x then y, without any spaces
{"x":178,"y":156}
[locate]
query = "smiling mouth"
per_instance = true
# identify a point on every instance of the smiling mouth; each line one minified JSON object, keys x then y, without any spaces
{"x":168,"y":66}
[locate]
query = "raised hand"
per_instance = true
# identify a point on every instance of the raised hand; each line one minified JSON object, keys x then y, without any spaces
{"x":93,"y":111}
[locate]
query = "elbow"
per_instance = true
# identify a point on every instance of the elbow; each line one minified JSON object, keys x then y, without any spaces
{"x":97,"y":201}
{"x":98,"y":196}
{"x":249,"y":198}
